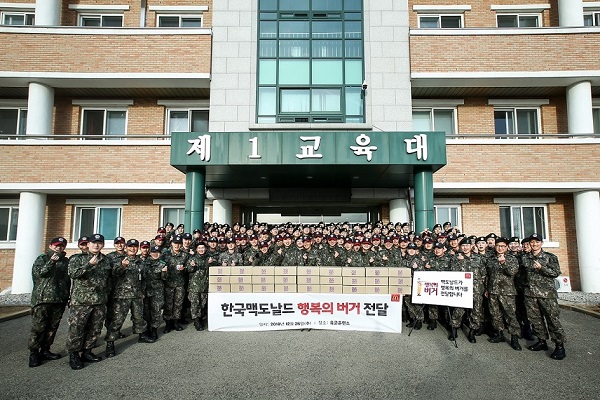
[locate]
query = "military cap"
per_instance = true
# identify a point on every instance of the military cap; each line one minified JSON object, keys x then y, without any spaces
{"x":119,"y":239}
{"x":263,"y":244}
{"x":169,"y":224}
{"x":222,"y":240}
{"x":447,"y":223}
{"x":144,"y":244}
{"x":441,"y":235}
{"x":525,"y":240}
{"x":196,"y":231}
{"x":404,"y":224}
{"x":180,"y":226}
{"x":404,"y":238}
{"x":419,"y":238}
{"x":388,"y":239}
{"x":437,"y":226}
{"x":58,"y":241}
{"x":318,"y":234}
{"x":366,"y":241}
{"x":253,"y":237}
{"x":427,"y":240}
{"x":96,"y":237}
{"x":452,"y":236}
{"x":535,"y":236}
{"x":480,"y":239}
{"x":230,"y":240}
{"x":514,"y":239}
{"x":412,"y":246}
{"x":356,"y":242}
{"x":348,"y":240}
{"x":465,"y":240}
{"x":159,"y":237}
{"x":133,"y":242}
{"x":491,"y":235}
{"x":213,"y":239}
{"x":83,"y":240}
{"x":501,"y":240}
{"x":438,"y":245}
{"x":155,"y":249}
{"x":161,"y":230}
{"x":187,"y":236}
{"x":177,"y":239}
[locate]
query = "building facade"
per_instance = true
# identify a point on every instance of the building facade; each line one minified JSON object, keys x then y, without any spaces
{"x":94,"y":93}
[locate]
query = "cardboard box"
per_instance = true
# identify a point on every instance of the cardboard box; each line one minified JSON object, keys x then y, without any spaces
{"x":263,"y":279}
{"x":337,"y":289}
{"x":406,"y":289}
{"x":353,"y":289}
{"x":241,"y":288}
{"x":353,"y":271}
{"x":376,"y":281}
{"x":219,"y":270}
{"x":308,"y":280}
{"x":330,"y":280}
{"x":399,"y":272}
{"x":376,"y":271}
{"x":285,"y":279}
{"x":219,"y":288}
{"x":330,"y":271}
{"x":353,"y":281}
{"x":309,"y":288}
{"x":263,"y":288}
{"x":241,"y":271}
{"x":369,"y":289}
{"x":313,"y":271}
{"x":395,"y":281}
{"x":285,"y":271}
{"x":263,"y":271}
{"x":220,"y":279}
{"x":286,"y":289}
{"x":237,"y":279}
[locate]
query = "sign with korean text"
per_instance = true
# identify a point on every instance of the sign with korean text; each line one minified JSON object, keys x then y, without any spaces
{"x":280,"y":311}
{"x":454,"y":289}
{"x":306,"y":148}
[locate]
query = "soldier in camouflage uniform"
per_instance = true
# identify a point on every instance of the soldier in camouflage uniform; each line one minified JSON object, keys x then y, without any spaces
{"x":115,"y":258}
{"x":197,"y":267}
{"x":231,"y":257}
{"x":154,"y":299}
{"x":501,"y":293}
{"x":416,"y":262}
{"x":51,"y":285}
{"x":354,"y":257}
{"x":541,"y":298}
{"x":250,"y":252}
{"x":175,"y":259}
{"x":91,"y":274}
{"x":265,"y":256}
{"x":291,"y":255}
{"x":517,"y":248}
{"x":390,"y":255}
{"x":439,"y":262}
{"x":127,"y":294}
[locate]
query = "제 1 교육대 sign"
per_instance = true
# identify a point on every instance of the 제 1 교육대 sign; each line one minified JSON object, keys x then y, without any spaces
{"x":453,"y":289}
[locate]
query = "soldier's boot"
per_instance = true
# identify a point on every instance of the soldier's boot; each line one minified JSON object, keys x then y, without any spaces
{"x":199,"y":324}
{"x":121,"y":335}
{"x":538,"y":346}
{"x":453,"y":333}
{"x":168,"y":326}
{"x":527,"y":332}
{"x":418,"y":325}
{"x":478,"y":332}
{"x":471,"y":336}
{"x":48,"y":355}
{"x":110,"y":349}
{"x":177,"y":326}
{"x":34,"y":359}
{"x":497,"y":338}
{"x":75,"y":361}
{"x":411,"y":323}
{"x":88,"y":356}
{"x":514,"y":342}
{"x":559,"y":352}
{"x":145,"y":338}
{"x":155,"y":334}
{"x":183,"y":321}
{"x":432,"y":325}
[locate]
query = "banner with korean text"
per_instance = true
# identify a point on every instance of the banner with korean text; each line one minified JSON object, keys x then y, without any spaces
{"x":279,"y":311}
{"x":454,"y":289}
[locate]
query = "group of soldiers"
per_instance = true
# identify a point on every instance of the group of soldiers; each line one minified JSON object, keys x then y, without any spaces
{"x":167,"y":277}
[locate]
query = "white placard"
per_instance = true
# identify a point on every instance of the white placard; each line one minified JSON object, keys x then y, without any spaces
{"x":279,"y":311}
{"x":454,"y":289}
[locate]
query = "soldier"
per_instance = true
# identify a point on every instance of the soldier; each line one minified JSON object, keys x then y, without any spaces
{"x":155,"y":271}
{"x":250,"y":253}
{"x":51,"y":285}
{"x":264,"y":257}
{"x":175,"y":260}
{"x":197,"y":267}
{"x":501,"y":293}
{"x":541,"y":298}
{"x":230,"y":257}
{"x":115,"y":258}
{"x":82,"y":243}
{"x":439,"y":262}
{"x":520,"y":250}
{"x":144,"y":250}
{"x":416,"y":262}
{"x":127,"y":294}
{"x":91,"y":285}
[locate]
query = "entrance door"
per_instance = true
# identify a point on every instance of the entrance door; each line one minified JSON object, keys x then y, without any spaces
{"x":309,"y":215}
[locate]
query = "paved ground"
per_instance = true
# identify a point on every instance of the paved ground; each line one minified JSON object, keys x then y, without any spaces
{"x":305,"y":365}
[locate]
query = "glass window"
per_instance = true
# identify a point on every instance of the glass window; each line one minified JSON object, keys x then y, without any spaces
{"x":104,"y":123}
{"x":268,"y":5}
{"x":354,"y":72}
{"x":447,"y":214}
{"x":435,"y":119}
{"x":267,"y":29}
{"x":18,"y":19}
{"x":591,"y":19}
{"x":9,"y":217}
{"x":326,"y":100}
{"x":327,"y":5}
{"x":267,"y":49}
{"x":267,"y":72}
{"x":109,"y":21}
{"x":353,"y":29}
{"x":294,"y":29}
{"x":353,"y":5}
{"x":327,"y":29}
{"x":187,"y":120}
{"x":522,"y":221}
{"x":13,"y":121}
{"x":294,"y":48}
{"x":354,"y":101}
{"x":295,"y":100}
{"x":294,"y":72}
{"x":293,"y":5}
{"x":179,"y":21}
{"x":518,"y":20}
{"x":327,"y":72}
{"x":327,"y":49}
{"x":440,"y":21}
{"x":175,"y":215}
{"x":168,"y":21}
{"x":267,"y":103}
{"x":513,"y":121}
{"x":596,"y":115}
{"x":353,"y":49}
{"x":105,"y":220}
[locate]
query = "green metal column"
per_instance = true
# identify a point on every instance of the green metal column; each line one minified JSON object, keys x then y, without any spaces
{"x":424,"y":213}
{"x":194,"y":199}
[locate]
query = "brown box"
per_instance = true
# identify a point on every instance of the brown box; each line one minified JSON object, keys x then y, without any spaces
{"x":241,"y":270}
{"x":307,"y":271}
{"x":285,"y":270}
{"x":399,"y":272}
{"x":239,"y":279}
{"x":219,"y":279}
{"x":406,"y":289}
{"x":353,"y":281}
{"x":396,"y":281}
{"x":286,"y":289}
{"x":263,"y":288}
{"x":241,"y":288}
{"x":353,"y":289}
{"x":308,"y":280}
{"x":330,"y":280}
{"x":377,"y":271}
{"x":219,"y":270}
{"x":376,"y":281}
{"x":309,"y":288}
{"x":285,"y":279}
{"x":263,"y":279}
{"x":263,"y":271}
{"x":370,"y":289}
{"x":351,"y":271}
{"x":219,"y":288}
{"x":330,"y":271}
{"x":331,"y":288}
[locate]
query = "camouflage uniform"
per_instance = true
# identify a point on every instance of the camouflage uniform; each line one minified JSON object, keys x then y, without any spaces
{"x":326,"y":257}
{"x":501,"y":292}
{"x":51,"y":285}
{"x":230,"y":259}
{"x":198,"y":284}
{"x":127,"y":294}
{"x":249,"y":254}
{"x":174,"y":284}
{"x":91,"y":286}
{"x":541,"y":298}
{"x":265,"y":259}
{"x":292,"y":256}
{"x":415,"y":263}
{"x":356,"y":259}
{"x":436,"y":264}
{"x":475,"y":265}
{"x":154,"y":298}
{"x":115,"y":258}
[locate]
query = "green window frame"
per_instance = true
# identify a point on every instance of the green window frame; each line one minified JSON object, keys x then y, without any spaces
{"x":310,"y":61}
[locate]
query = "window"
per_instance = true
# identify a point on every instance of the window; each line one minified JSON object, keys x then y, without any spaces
{"x":519,"y":20}
{"x":447,"y":213}
{"x":516,"y":121}
{"x":591,"y":19}
{"x":596,"y":115}
{"x":440,"y":21}
{"x":105,"y":220}
{"x":104,"y":123}
{"x":18,"y":18}
{"x":179,"y":21}
{"x":310,"y":61}
{"x":187,"y":120}
{"x":435,"y":119}
{"x":523,"y":220}
{"x":175,"y":215}
{"x":9,"y":217}
{"x":107,"y":21}
{"x":13,"y":121}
